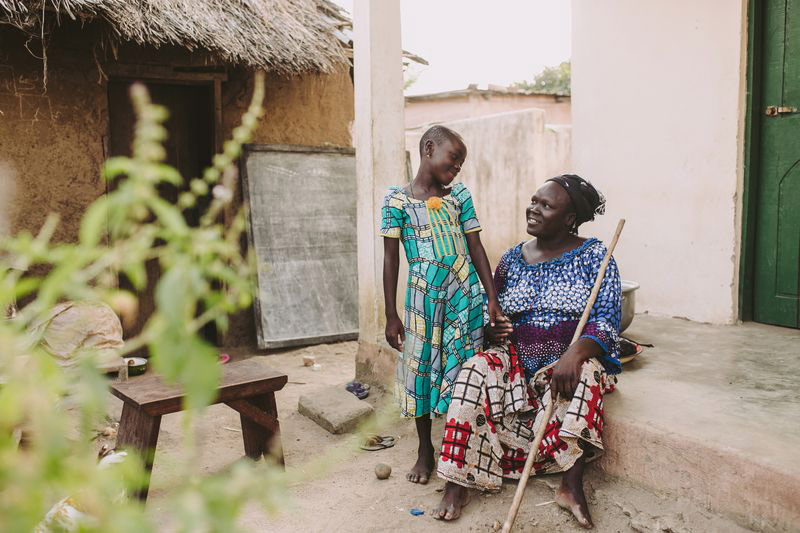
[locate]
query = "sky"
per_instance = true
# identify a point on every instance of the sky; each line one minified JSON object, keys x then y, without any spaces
{"x":477,"y":41}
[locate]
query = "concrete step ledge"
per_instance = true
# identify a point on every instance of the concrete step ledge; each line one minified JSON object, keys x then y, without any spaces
{"x":711,"y":413}
{"x":755,"y":495}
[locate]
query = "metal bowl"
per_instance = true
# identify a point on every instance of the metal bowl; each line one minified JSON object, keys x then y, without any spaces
{"x":136,"y":365}
{"x":628,"y":303}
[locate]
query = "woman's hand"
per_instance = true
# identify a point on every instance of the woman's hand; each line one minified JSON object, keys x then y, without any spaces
{"x":567,"y":371}
{"x":395,"y":333}
{"x":499,"y":332}
{"x":566,"y":375}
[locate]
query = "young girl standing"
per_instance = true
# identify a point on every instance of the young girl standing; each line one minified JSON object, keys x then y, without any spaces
{"x":444,"y":304}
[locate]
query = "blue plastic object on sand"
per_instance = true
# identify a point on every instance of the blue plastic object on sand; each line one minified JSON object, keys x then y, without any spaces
{"x":361,"y":390}
{"x":416,"y":512}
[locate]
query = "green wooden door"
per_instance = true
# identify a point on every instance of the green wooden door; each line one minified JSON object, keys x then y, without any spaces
{"x":777,"y":246}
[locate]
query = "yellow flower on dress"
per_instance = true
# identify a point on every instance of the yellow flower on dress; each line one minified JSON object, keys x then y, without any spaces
{"x":434,"y":202}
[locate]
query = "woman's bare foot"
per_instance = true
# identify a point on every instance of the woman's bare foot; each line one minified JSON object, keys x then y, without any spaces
{"x":576,"y":504}
{"x":421,"y":471}
{"x":570,"y":495}
{"x":455,"y":498}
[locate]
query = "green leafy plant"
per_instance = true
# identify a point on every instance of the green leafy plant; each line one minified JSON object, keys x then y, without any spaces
{"x":205,"y":277}
{"x":551,"y":80}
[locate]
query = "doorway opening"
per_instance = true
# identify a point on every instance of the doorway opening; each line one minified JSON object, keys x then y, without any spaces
{"x":189,"y":148}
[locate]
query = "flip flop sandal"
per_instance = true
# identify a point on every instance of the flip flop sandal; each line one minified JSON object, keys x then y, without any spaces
{"x":358,"y":389}
{"x":375,"y":443}
{"x":360,"y":393}
{"x":224,"y":358}
{"x":356,"y":385}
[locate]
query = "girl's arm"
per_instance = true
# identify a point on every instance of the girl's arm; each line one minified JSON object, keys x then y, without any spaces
{"x":395,"y":334}
{"x":503,"y":327}
{"x":481,"y":264}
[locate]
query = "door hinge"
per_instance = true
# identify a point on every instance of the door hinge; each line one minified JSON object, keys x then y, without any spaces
{"x":774,"y":110}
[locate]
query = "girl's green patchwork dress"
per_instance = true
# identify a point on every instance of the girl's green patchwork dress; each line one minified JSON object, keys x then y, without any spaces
{"x":444,"y":299}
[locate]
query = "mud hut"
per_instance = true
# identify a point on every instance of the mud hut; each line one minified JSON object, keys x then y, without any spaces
{"x":66,"y":65}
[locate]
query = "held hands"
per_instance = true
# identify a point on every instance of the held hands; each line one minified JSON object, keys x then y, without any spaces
{"x":495,"y":312}
{"x":395,"y":333}
{"x":499,"y":327}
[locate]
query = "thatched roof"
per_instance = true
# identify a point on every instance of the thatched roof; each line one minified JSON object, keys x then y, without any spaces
{"x":286,"y":36}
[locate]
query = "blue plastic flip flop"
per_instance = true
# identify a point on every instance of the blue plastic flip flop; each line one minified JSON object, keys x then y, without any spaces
{"x":360,"y":390}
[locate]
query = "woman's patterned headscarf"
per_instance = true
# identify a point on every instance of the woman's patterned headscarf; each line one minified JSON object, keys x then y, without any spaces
{"x":586,"y":200}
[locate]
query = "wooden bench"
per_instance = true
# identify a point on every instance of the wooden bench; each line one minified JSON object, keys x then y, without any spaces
{"x":248,"y":386}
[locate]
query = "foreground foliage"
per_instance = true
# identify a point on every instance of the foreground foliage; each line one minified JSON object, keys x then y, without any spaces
{"x":204,"y":279}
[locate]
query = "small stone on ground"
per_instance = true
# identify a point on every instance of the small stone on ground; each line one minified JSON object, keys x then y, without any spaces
{"x":383,"y":471}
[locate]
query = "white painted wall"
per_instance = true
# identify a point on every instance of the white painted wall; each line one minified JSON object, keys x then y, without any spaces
{"x":658,"y":107}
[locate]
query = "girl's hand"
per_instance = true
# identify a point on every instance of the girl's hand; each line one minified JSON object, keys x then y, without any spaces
{"x":498,"y":333}
{"x":395,"y":333}
{"x":566,"y":375}
{"x":495,"y":312}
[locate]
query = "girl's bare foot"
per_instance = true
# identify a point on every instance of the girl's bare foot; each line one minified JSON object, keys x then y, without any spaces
{"x":421,"y":471}
{"x":455,"y":498}
{"x":570,"y":495}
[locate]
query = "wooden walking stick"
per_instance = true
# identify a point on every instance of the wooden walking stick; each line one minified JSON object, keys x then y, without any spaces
{"x":526,"y":472}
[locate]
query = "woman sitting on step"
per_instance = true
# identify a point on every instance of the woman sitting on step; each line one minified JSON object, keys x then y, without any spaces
{"x":500,"y":395}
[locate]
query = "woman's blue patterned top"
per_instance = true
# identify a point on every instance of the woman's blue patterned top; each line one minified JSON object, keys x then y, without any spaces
{"x":545,"y":302}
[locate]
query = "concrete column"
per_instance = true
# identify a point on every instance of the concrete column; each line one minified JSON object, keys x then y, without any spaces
{"x":380,"y":162}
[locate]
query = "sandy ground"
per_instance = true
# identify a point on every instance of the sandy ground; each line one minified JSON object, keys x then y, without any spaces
{"x":349,"y":497}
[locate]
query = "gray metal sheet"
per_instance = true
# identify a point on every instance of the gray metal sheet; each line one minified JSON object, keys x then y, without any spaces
{"x":302,"y":228}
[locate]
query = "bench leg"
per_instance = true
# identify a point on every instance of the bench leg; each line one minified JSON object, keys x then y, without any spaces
{"x":138,"y":432}
{"x":261,"y":439}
